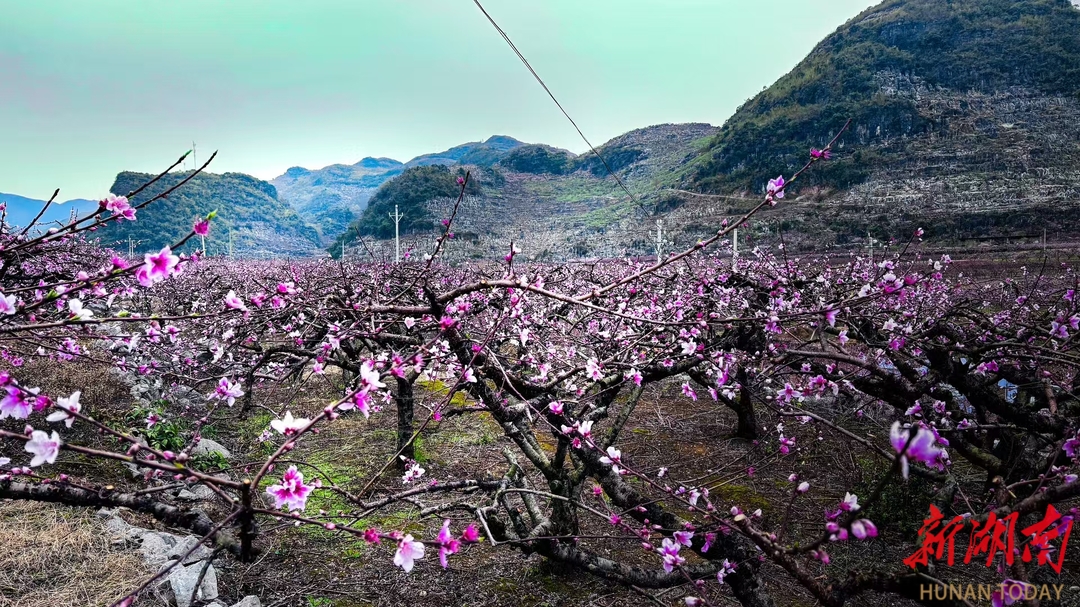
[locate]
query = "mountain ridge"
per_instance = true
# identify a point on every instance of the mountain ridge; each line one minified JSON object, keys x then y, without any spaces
{"x":336,"y":195}
{"x":21,"y":210}
{"x":251,"y":220}
{"x":965,"y":121}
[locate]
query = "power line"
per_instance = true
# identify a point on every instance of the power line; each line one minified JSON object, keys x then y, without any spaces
{"x":561,"y":108}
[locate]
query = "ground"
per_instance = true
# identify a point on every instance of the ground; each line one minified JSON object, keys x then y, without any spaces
{"x":310,"y":567}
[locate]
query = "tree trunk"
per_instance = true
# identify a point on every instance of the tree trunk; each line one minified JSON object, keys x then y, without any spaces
{"x":405,"y":402}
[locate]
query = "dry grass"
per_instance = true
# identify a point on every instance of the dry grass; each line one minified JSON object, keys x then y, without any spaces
{"x":53,"y":556}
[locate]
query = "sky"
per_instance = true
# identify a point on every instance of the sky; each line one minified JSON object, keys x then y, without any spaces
{"x":89,"y":89}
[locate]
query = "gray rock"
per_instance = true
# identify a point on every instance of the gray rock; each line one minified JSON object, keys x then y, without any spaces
{"x":198,"y":493}
{"x":207,"y":446}
{"x":249,"y":601}
{"x":184,"y":396}
{"x":120,"y":531}
{"x":156,"y":546}
{"x":186,"y":544}
{"x":182,"y":580}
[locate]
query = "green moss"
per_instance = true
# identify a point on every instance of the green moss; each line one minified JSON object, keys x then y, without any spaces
{"x":742,"y":496}
{"x":419,"y":454}
{"x":440,"y":388}
{"x":903,"y":504}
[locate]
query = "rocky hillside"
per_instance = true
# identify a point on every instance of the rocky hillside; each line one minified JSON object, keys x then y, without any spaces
{"x":250,"y":216}
{"x":966,"y":120}
{"x":553,"y":204}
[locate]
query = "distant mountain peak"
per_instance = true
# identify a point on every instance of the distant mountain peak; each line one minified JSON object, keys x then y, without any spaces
{"x":507,"y":142}
{"x":378,"y":163}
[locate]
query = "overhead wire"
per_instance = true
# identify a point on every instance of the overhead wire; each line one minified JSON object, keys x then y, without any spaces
{"x":540,"y":80}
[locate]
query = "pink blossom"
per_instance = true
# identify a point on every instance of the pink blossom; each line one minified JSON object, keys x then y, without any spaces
{"x":470,"y":534}
{"x":448,"y":544}
{"x":850,"y":502}
{"x":157,"y":267}
{"x":227,"y":391}
{"x":413,"y":472}
{"x":202,"y":227}
{"x":408,"y":550}
{"x":670,"y":553}
{"x":555,"y":407}
{"x":369,"y":376}
{"x":66,"y":407}
{"x":688,"y":391}
{"x":18,"y":403}
{"x":830,"y":316}
{"x":863,"y":528}
{"x":922,"y":447}
{"x":1071,"y":446}
{"x":45,"y":448}
{"x":820,"y":154}
{"x":684,"y":537}
{"x":775,"y":189}
{"x":7,"y":304}
{"x":1008,"y":593}
{"x":613,"y":457}
{"x":233,"y":302}
{"x":151,"y":420}
{"x":78,"y":312}
{"x":592,"y":369}
{"x":289,"y":425}
{"x":120,"y":207}
{"x":787,"y":393}
{"x":361,"y":401}
{"x":292,"y":492}
{"x":726,"y":569}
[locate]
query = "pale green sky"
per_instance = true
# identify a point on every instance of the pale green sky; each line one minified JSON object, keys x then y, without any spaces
{"x":92,"y":87}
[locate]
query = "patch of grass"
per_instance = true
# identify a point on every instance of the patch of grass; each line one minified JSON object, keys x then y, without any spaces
{"x":603,"y":217}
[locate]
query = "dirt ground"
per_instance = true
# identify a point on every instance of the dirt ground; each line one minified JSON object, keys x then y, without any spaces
{"x":61,"y":556}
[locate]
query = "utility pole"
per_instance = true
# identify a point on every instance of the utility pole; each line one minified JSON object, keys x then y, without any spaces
{"x":397,"y":235}
{"x":343,"y":249}
{"x":202,"y":239}
{"x":870,"y":245}
{"x":735,"y":244}
{"x":131,"y":248}
{"x":194,"y":162}
{"x":659,"y":239}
